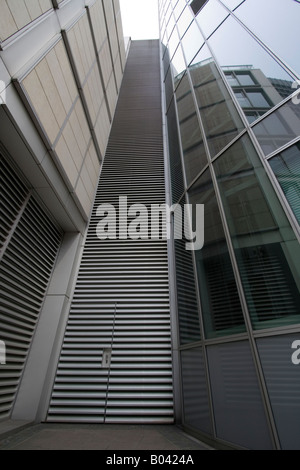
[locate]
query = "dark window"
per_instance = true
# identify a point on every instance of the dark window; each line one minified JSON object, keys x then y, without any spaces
{"x":196,"y":5}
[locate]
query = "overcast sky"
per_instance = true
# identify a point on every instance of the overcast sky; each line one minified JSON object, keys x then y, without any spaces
{"x":140,"y":18}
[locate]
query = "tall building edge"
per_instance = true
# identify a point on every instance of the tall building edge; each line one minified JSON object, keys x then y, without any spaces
{"x":233,"y":119}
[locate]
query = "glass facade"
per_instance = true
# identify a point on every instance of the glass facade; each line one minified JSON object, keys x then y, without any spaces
{"x":233,"y":114}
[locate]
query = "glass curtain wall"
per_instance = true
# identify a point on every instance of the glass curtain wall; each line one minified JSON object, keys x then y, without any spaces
{"x":233,"y":119}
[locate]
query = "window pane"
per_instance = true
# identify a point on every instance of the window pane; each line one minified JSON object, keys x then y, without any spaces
{"x":258,"y":100}
{"x":173,"y":42}
{"x":279,"y":128}
{"x":286,"y":167}
{"x":211,"y":16}
{"x":267,"y":252}
{"x":232,"y":3}
{"x":282,"y":16}
{"x":178,"y":8}
{"x":234,"y":46}
{"x":245,"y":79}
{"x":177,"y":63}
{"x":221,"y":308}
{"x":219,"y":115}
{"x":232,"y":80}
{"x":239,"y":412}
{"x":192,"y":144}
{"x":192,"y":41}
{"x":242,"y":99}
{"x":184,"y":21}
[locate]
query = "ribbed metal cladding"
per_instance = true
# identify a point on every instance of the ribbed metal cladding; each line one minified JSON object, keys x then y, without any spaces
{"x":121,"y":299}
{"x":29,"y":244}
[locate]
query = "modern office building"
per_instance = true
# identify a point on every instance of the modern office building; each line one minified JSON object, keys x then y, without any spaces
{"x":230,"y":71}
{"x":140,"y":329}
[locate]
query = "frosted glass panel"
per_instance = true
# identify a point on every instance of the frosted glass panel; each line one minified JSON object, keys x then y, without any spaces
{"x":239,"y":412}
{"x":283,"y":382}
{"x":195,"y":398}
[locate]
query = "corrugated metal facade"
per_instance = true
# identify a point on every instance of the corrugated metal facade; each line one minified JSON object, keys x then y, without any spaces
{"x":116,"y":362}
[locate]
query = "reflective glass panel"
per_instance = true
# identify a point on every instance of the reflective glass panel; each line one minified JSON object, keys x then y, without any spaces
{"x":221,"y":308}
{"x":267,"y":252}
{"x":237,"y":52}
{"x":220,"y":118}
{"x":184,"y":21}
{"x":286,"y":167}
{"x":192,"y":144}
{"x":192,"y":41}
{"x":281,"y":28}
{"x":210,"y":16}
{"x":232,"y":3}
{"x":177,"y":65}
{"x":279,"y":128}
{"x":179,"y":7}
{"x":173,"y":42}
{"x":170,"y":25}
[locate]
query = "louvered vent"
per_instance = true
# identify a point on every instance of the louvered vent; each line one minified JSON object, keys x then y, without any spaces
{"x":115,"y":363}
{"x":30,"y":244}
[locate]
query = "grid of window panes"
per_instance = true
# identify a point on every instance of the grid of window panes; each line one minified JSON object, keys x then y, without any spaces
{"x":231,"y":81}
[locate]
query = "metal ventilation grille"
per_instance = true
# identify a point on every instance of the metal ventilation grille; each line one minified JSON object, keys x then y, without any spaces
{"x":115,"y":363}
{"x":13,"y":195}
{"x":29,"y":252}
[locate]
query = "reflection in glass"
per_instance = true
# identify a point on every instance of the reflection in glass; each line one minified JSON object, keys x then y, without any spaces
{"x":192,"y":41}
{"x":278,"y":129}
{"x":184,"y":21}
{"x":195,"y":395}
{"x":239,"y":54}
{"x":266,"y":249}
{"x":173,"y":42}
{"x":211,"y":16}
{"x":178,"y":8}
{"x":232,"y":3}
{"x":280,"y":30}
{"x":177,"y":64}
{"x":221,"y":308}
{"x":219,"y":115}
{"x":192,"y":144}
{"x":189,"y":325}
{"x":170,"y":25}
{"x":286,"y":167}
